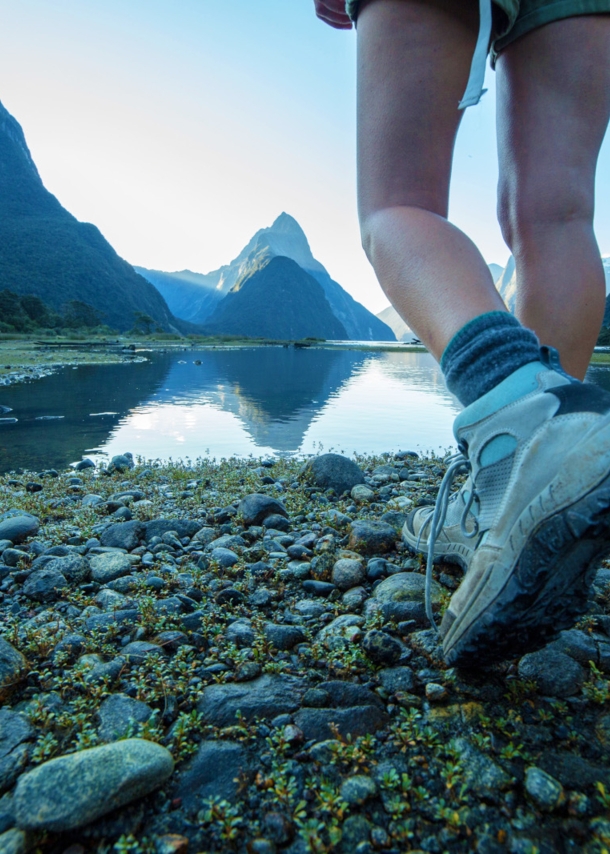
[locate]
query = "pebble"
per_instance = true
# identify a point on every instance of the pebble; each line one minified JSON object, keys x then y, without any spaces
{"x":554,"y":672}
{"x":381,"y":647}
{"x":358,"y":789}
{"x":73,"y":790}
{"x":546,"y":792}
{"x":370,"y":537}
{"x":348,"y":573}
{"x":118,"y":713}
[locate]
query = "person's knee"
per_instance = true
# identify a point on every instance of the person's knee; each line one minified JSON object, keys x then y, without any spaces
{"x":528,"y":211}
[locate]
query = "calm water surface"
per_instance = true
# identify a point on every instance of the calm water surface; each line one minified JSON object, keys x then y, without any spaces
{"x":244,"y":401}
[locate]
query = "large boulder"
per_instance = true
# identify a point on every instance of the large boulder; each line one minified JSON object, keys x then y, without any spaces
{"x":334,"y":471}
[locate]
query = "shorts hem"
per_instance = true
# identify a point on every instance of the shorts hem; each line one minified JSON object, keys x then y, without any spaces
{"x":547,"y":15}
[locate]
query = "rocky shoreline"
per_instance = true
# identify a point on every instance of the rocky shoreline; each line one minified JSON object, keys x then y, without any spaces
{"x":235,"y":657}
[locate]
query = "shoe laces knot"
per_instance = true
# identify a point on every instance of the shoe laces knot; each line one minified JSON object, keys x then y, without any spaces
{"x":456,"y":464}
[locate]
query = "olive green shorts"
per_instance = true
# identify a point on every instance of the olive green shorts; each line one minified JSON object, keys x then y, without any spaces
{"x":515,"y":18}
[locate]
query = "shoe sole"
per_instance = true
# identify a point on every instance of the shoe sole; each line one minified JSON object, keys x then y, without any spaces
{"x":546,"y":592}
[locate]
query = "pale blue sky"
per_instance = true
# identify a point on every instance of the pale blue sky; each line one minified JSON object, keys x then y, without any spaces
{"x":180,"y":128}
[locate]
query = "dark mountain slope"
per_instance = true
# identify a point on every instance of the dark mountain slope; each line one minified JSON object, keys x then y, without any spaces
{"x":279,"y":300}
{"x":45,"y":251}
{"x":194,"y":296}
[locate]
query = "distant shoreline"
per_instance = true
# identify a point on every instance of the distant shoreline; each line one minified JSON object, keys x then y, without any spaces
{"x":27,"y":357}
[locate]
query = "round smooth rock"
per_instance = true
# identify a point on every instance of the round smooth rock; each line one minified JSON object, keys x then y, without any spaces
{"x":369,"y":537}
{"x":402,"y":596}
{"x":554,"y":672}
{"x":362,"y":494}
{"x":348,"y":573}
{"x":334,"y":471}
{"x":256,"y":507}
{"x":109,"y":566}
{"x":224,"y":557}
{"x":18,"y":528}
{"x":73,"y":790}
{"x":546,"y":792}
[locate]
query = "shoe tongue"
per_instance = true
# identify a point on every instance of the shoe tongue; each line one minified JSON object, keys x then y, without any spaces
{"x":521,"y":382}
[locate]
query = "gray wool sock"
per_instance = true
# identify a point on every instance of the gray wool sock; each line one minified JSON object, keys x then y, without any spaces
{"x":484,"y":352}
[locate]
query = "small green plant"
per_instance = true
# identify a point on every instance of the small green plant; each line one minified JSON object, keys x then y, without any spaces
{"x":45,"y":748}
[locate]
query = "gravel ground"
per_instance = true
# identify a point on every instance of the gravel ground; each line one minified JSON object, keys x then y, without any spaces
{"x":229,"y":657}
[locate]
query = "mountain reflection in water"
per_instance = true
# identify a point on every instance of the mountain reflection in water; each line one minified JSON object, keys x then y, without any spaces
{"x":258,"y":401}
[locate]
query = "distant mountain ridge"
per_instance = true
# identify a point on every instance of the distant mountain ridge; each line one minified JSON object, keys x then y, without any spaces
{"x":506,"y":284}
{"x":198,"y":297}
{"x":47,"y":252}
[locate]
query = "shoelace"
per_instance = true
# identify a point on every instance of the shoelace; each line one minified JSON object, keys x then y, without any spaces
{"x":458,"y":464}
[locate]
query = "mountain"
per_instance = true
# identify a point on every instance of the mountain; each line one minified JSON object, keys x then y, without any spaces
{"x":194,"y":296}
{"x":279,"y":300}
{"x":507,"y":286}
{"x":400,"y":329}
{"x":47,"y":252}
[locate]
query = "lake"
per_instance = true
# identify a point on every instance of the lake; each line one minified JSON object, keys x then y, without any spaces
{"x":223,"y":402}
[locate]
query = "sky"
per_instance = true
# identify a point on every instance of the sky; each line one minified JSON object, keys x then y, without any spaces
{"x":181,"y":128}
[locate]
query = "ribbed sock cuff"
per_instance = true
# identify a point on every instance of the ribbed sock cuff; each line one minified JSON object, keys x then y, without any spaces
{"x":484,"y":352}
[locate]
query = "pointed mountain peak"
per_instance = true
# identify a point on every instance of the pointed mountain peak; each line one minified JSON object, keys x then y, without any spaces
{"x":12,"y":130}
{"x":287,"y":225}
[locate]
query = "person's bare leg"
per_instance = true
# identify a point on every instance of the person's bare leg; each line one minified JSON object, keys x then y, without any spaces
{"x":413,"y":64}
{"x":553,"y":90}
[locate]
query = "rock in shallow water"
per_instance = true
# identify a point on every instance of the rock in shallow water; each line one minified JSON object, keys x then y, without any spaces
{"x":72,"y":791}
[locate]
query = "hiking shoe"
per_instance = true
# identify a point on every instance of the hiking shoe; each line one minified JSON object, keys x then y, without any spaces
{"x":457,"y":539}
{"x":538,"y":450}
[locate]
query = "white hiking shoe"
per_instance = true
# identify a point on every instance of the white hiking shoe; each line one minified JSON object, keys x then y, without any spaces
{"x":538,"y":451}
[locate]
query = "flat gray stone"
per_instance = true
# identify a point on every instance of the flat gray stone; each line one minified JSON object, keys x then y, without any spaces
{"x":117,"y":713}
{"x":214,"y":770}
{"x":123,"y":535}
{"x":265,"y":697}
{"x":109,"y":566}
{"x":14,"y":729}
{"x":181,"y":527}
{"x":74,"y":568}
{"x":73,"y":790}
{"x":356,"y":721}
{"x":44,"y":585}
